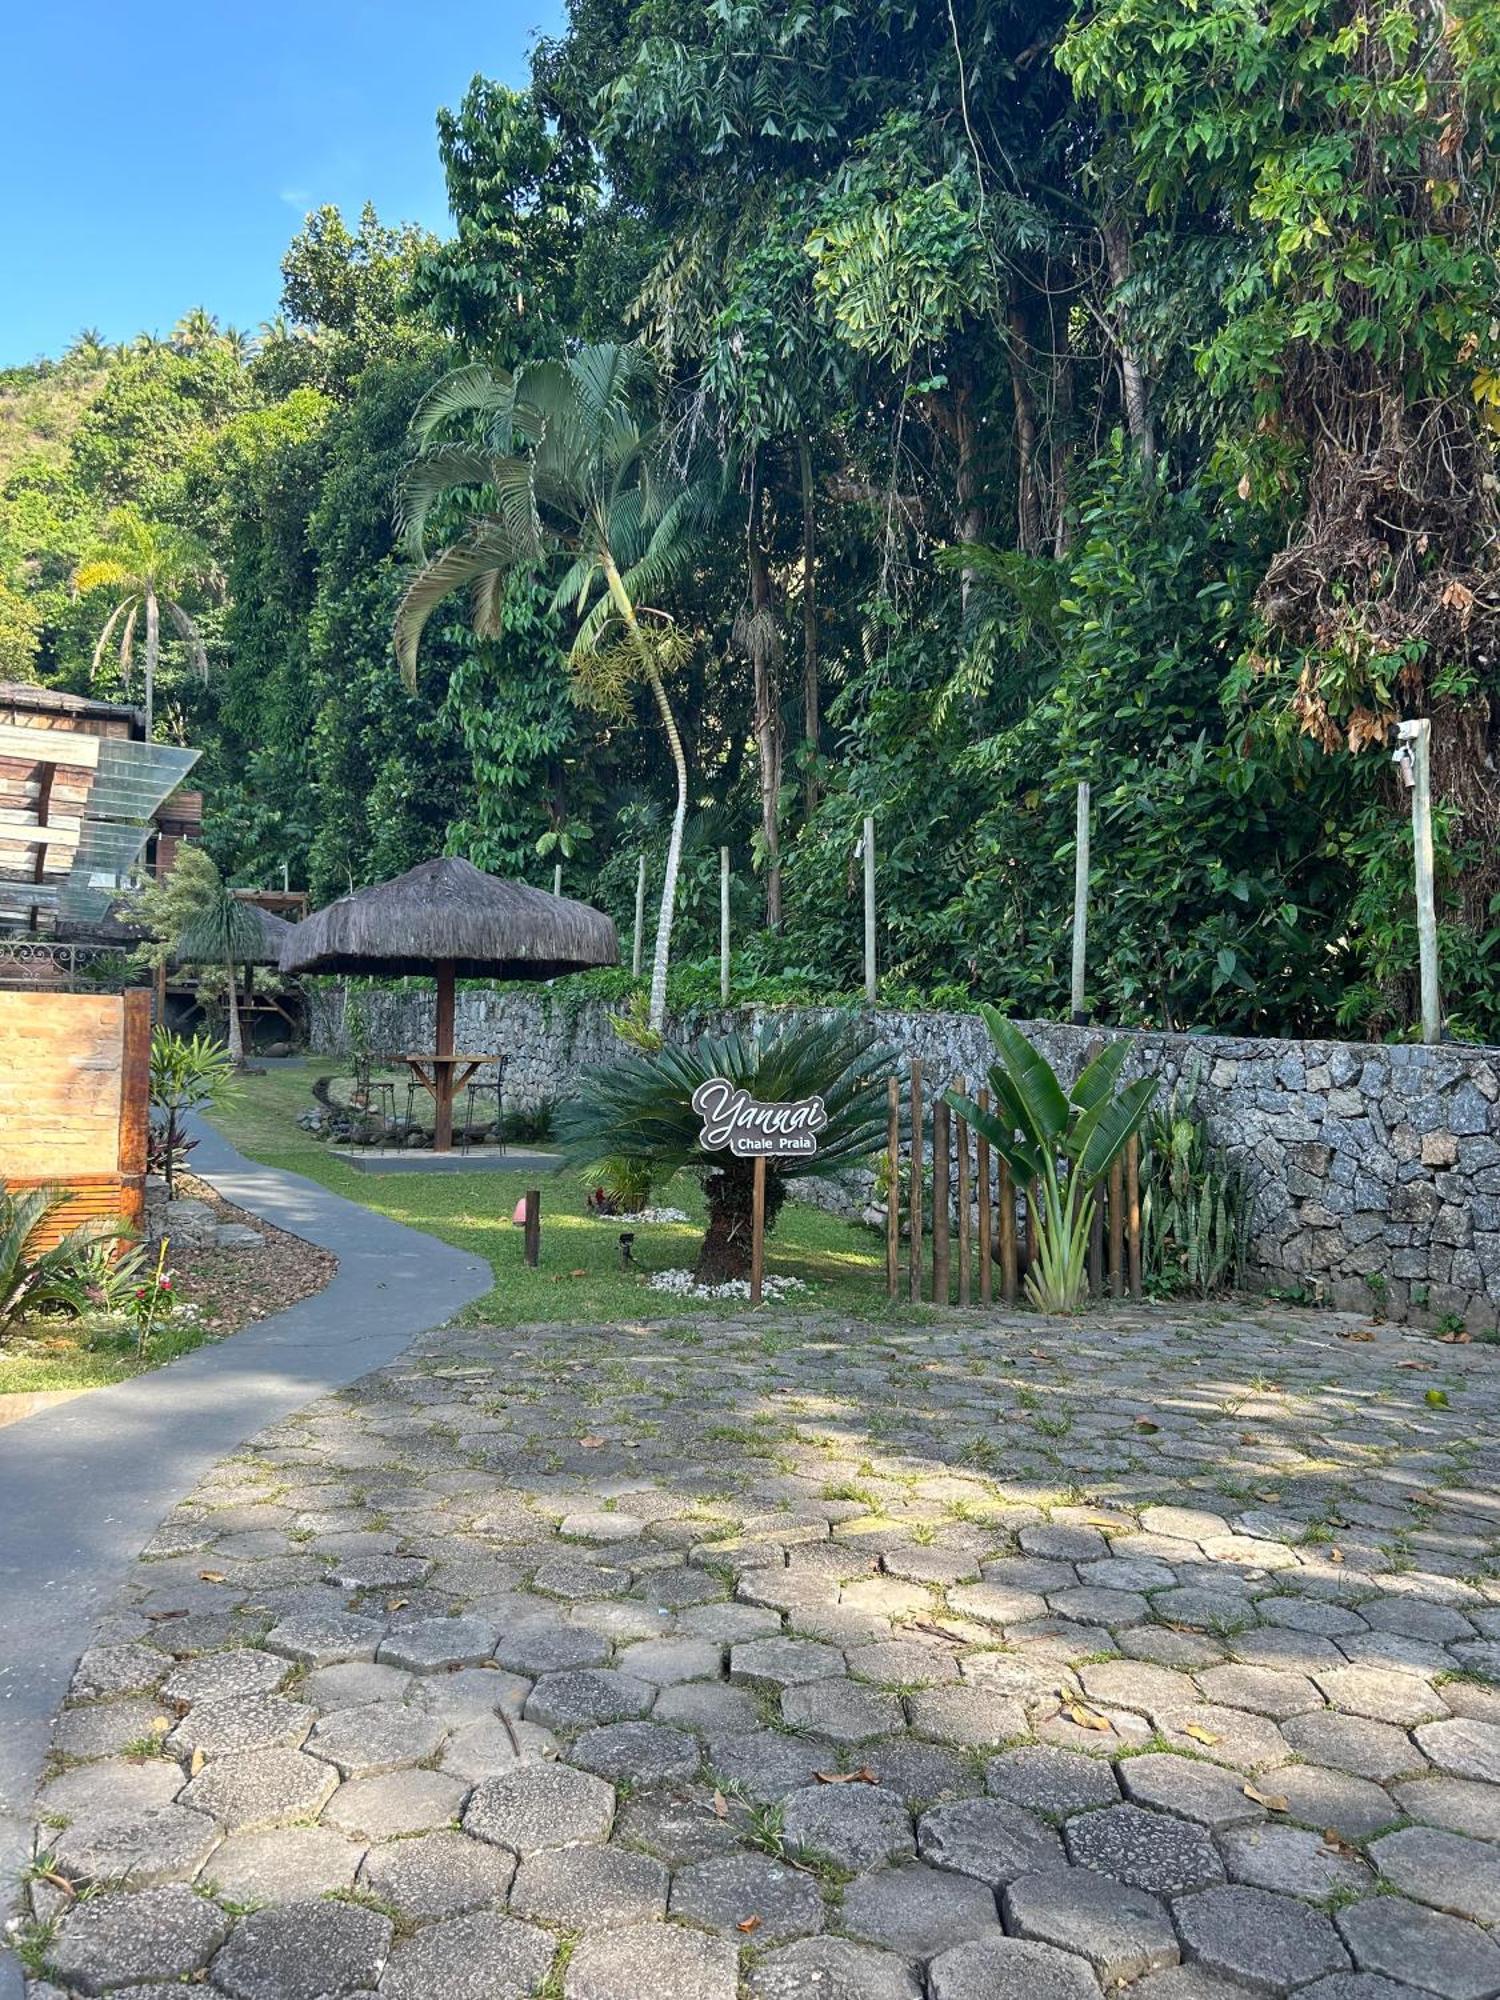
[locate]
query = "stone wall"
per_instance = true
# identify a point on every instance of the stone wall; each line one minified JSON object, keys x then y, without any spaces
{"x":1368,"y":1161}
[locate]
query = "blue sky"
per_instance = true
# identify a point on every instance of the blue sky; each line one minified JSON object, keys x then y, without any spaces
{"x":157,"y":155}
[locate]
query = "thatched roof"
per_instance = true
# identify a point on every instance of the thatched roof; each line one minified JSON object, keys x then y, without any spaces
{"x":274,"y":933}
{"x":450,"y":909}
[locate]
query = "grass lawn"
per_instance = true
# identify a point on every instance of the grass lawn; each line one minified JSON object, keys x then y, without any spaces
{"x":579,"y":1277}
{"x":69,"y":1354}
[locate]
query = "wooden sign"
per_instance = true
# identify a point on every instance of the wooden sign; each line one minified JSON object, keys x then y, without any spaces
{"x":733,"y":1122}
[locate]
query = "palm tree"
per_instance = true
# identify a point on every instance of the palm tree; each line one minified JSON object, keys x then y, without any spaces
{"x":642,"y":1111}
{"x":194,"y":917}
{"x":195,"y":331}
{"x":564,"y":465}
{"x":146,"y":564}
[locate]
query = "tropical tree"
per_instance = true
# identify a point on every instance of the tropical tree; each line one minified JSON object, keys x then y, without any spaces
{"x":32,"y":1278}
{"x":643,"y":1110}
{"x":565,"y":466}
{"x":152,"y":566}
{"x":1036,"y":1127}
{"x":195,"y":918}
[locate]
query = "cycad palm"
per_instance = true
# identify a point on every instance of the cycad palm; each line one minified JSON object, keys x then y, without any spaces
{"x":151,"y":566}
{"x":564,"y":467}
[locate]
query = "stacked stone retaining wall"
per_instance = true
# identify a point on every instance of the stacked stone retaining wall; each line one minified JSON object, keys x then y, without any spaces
{"x":1376,"y":1168}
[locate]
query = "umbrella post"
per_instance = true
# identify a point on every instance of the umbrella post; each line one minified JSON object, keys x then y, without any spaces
{"x":442,"y":1068}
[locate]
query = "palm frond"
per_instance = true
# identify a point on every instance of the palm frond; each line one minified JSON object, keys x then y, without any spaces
{"x":188,"y":631}
{"x":109,"y":625}
{"x":431,"y":476}
{"x":477,"y":390}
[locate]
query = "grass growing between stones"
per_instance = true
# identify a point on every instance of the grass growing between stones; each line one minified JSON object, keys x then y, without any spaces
{"x":579,"y":1277}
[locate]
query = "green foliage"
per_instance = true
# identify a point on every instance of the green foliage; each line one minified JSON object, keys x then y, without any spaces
{"x":1196,"y":1207}
{"x":187,"y":1074}
{"x":34,"y":1280}
{"x":1058,"y":1145}
{"x":643,"y":1110}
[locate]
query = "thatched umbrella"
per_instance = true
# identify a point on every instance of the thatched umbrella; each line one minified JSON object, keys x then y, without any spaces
{"x":274,"y":932}
{"x":449,"y":919}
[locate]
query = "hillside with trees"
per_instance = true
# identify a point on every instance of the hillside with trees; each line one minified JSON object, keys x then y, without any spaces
{"x":1102,"y":391}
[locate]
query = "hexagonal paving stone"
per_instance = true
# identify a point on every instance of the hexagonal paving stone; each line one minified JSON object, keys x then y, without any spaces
{"x":1121,"y":1931}
{"x":1460,"y":1804}
{"x":545,"y":1645}
{"x":1321,"y":1798}
{"x":831,"y":1969}
{"x":586,"y":1888}
{"x":996,"y":1603}
{"x":973,"y":1718}
{"x":777,"y":1664}
{"x":302,"y":1951}
{"x":1202,"y":1792}
{"x":652,"y":1959}
{"x":1293,"y":1862}
{"x":383,"y":1736}
{"x":917,"y":1911}
{"x":122,"y":1938}
{"x":1268,"y":1691}
{"x":540,"y":1805}
{"x":1003,"y":1968}
{"x":640,"y":1753}
{"x":444,"y":1874}
{"x":354,"y":1685}
{"x":1386,"y":1934}
{"x":107,"y":1728}
{"x":1147,"y":1850}
{"x":677,"y":1827}
{"x":1446,"y":1870}
{"x":1226,"y":1736}
{"x":1050,"y":1781}
{"x":735,"y":1890}
{"x":854,"y":1826}
{"x":841,"y":1710}
{"x":584,"y":1698}
{"x":491,"y":1744}
{"x":282,"y":1865}
{"x":1257,"y":1938}
{"x":395,"y":1804}
{"x":220,"y":1725}
{"x":244,"y":1670}
{"x":988,"y":1839}
{"x":711,"y":1707}
{"x":766,"y":1765}
{"x":479,"y":1957}
{"x":923,"y":1774}
{"x":903,"y":1662}
{"x":261,"y":1788}
{"x":135,"y":1850}
{"x":1365,"y":1749}
{"x":114,"y":1784}
{"x":1383,"y":1694}
{"x":1137,"y":1684}
{"x":324,"y":1639}
{"x":110,"y":1670}
{"x":665,"y":1662}
{"x":433,"y":1645}
{"x":1462,"y":1748}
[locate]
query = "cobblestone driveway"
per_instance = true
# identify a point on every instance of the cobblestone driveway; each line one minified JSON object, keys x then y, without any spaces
{"x":806,"y":1662}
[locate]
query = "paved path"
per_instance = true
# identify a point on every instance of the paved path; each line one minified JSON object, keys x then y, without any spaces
{"x":783,"y":1658}
{"x":83,"y":1486}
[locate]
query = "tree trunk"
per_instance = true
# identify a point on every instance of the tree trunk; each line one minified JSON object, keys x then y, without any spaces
{"x":657,"y":1013}
{"x":812,"y":725}
{"x":969,"y":516}
{"x":1137,"y":393}
{"x":1062,"y":441}
{"x":1028,"y":503}
{"x":764,"y":648}
{"x":730,"y":1194}
{"x":232,"y":1002}
{"x":153,"y":649}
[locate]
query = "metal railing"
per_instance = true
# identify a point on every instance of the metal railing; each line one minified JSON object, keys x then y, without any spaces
{"x":57,"y":964}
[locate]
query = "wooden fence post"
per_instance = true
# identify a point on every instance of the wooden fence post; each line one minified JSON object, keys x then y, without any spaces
{"x":961,"y":1147}
{"x":940,"y":1266}
{"x":1009,"y":1276}
{"x":1096,"y":1243}
{"x":1117,"y":1230}
{"x":914,"y":1246}
{"x":532,"y":1226}
{"x":1133,"y":1211}
{"x":893,"y":1188}
{"x":982,"y":1187}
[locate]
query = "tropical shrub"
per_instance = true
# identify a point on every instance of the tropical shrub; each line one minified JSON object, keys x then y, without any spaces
{"x":187,"y":1074}
{"x":1197,"y":1206}
{"x":643,"y":1110}
{"x":1058,"y":1145}
{"x":32,"y":1280}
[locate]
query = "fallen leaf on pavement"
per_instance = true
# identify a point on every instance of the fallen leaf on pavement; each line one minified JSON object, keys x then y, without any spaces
{"x":721,"y":1806}
{"x":1272,"y":1801}
{"x":1198,"y":1733}
{"x":591,"y":1443}
{"x":199,"y":1760}
{"x":1085,"y":1718}
{"x":748,"y":1924}
{"x":863,"y":1776}
{"x":211,"y":1576}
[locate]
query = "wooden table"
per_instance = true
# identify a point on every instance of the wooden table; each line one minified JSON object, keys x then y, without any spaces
{"x":443,"y":1075}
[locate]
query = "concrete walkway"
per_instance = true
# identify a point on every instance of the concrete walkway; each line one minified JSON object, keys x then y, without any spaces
{"x":83,"y":1486}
